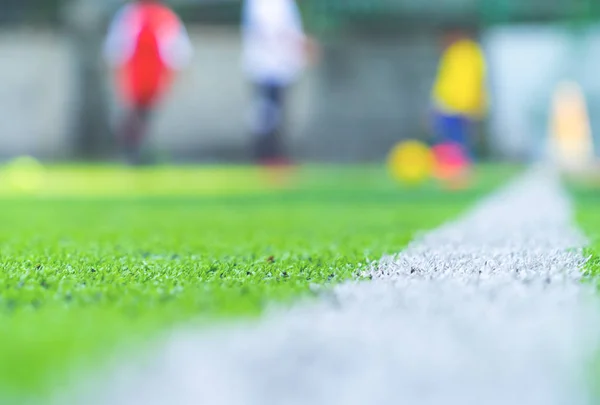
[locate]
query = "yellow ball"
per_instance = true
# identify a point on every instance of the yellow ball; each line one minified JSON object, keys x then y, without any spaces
{"x":23,"y":174}
{"x":411,"y":162}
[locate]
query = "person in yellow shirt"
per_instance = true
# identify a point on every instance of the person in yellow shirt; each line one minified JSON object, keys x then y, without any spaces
{"x":459,"y":95}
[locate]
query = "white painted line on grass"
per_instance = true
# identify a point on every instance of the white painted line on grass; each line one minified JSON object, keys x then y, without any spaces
{"x":488,"y":309}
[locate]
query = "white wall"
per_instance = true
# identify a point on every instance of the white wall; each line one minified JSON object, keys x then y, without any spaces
{"x":35,"y":93}
{"x":209,"y":102}
{"x":526,"y":63}
{"x":207,"y":111}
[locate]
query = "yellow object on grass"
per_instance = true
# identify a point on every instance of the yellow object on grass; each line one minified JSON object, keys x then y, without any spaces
{"x":411,"y":162}
{"x":24,"y":174}
{"x":27,"y":176}
{"x":460,"y":85}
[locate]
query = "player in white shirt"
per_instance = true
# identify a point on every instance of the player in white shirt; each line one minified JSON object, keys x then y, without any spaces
{"x":276,"y":51}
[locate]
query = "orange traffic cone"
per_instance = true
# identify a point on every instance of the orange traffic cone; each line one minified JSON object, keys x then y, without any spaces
{"x":570,"y":139}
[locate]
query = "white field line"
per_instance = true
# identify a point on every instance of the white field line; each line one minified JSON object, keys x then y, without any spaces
{"x":488,"y":309}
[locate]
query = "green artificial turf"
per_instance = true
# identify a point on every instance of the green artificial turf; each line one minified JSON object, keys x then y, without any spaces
{"x":82,"y":274}
{"x":587,"y":202}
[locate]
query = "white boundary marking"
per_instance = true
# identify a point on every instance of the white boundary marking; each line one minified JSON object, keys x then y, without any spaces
{"x":488,"y":309}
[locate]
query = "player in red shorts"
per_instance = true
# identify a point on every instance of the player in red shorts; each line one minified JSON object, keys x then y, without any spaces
{"x":146,"y":45}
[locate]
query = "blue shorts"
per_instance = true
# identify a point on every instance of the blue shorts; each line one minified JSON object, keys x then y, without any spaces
{"x":452,"y":128}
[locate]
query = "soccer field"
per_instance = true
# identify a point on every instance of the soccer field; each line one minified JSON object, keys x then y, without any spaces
{"x":587,"y":201}
{"x":90,"y":264}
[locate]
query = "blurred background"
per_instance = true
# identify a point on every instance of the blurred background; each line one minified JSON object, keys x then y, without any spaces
{"x":370,"y":90}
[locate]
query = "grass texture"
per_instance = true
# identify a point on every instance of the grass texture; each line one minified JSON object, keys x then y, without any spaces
{"x":99,"y":257}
